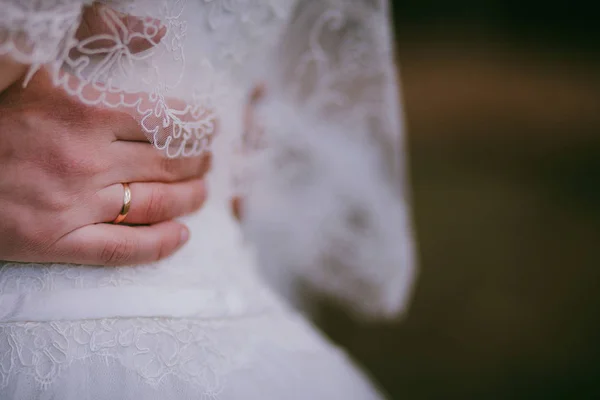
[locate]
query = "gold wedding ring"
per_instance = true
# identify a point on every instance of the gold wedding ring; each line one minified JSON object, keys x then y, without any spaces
{"x":126,"y":204}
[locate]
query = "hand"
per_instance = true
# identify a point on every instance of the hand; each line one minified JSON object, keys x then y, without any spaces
{"x":61,"y":168}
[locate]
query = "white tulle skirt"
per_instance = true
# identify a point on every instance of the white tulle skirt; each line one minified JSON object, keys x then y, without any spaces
{"x":200,"y":325}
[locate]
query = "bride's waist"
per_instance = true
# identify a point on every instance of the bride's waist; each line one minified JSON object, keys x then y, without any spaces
{"x":213,"y":276}
{"x":134,"y":302}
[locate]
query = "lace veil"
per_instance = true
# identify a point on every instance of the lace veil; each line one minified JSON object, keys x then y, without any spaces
{"x":321,"y":163}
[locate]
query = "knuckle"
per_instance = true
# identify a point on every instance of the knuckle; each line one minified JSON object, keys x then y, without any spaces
{"x":20,"y":238}
{"x":33,"y":232}
{"x":101,"y":166}
{"x":59,"y":203}
{"x":29,"y":116}
{"x":32,"y":118}
{"x":56,"y":153}
{"x":112,"y":123}
{"x":117,"y":251}
{"x":68,"y":112}
{"x":170,"y":168}
{"x":122,"y":121}
{"x":69,"y":163}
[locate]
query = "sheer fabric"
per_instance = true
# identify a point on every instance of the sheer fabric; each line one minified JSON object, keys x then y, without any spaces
{"x":324,"y":190}
{"x":333,"y":168}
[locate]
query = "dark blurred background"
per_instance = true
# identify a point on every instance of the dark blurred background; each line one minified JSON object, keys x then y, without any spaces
{"x":502,"y":100}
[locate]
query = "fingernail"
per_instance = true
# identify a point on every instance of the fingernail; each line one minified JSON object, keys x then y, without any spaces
{"x":184,"y":236}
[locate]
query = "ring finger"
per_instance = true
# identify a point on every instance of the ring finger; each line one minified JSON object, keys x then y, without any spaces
{"x":151,"y":202}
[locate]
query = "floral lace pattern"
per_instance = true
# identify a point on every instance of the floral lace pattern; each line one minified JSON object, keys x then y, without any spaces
{"x":35,"y":32}
{"x":200,"y":353}
{"x":102,"y":69}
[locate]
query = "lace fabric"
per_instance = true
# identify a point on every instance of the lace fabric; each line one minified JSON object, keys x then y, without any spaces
{"x":324,"y":196}
{"x":171,"y":91}
{"x":333,"y":167}
{"x":174,"y":358}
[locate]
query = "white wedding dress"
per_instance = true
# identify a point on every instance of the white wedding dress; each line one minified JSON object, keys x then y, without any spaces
{"x":324,"y":193}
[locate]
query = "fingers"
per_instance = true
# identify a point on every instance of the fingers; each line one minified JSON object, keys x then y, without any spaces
{"x":151,"y":202}
{"x":140,"y":162}
{"x":106,"y":244}
{"x":124,"y":126}
{"x":101,"y":27}
{"x":152,"y":125}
